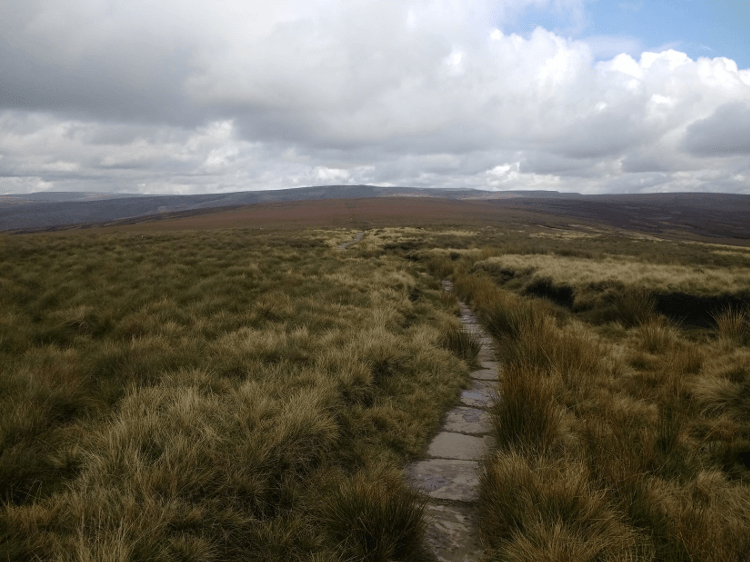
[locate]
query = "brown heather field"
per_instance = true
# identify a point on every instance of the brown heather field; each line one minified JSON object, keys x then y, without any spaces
{"x":203,"y":389}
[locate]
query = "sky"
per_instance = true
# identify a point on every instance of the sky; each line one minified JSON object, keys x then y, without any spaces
{"x":189,"y":96}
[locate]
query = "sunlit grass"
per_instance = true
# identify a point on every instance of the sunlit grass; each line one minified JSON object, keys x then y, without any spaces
{"x":250,"y":394}
{"x":601,"y":448}
{"x":629,"y":271}
{"x":228,"y":395}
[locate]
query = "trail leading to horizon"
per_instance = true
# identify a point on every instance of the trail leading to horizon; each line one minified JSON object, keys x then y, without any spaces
{"x":449,"y":476}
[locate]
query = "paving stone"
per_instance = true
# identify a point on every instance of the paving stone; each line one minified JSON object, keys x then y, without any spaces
{"x":482,"y":394}
{"x":490,"y":365}
{"x":485,"y":375}
{"x":467,"y":420}
{"x":452,"y":533}
{"x":446,"y":479}
{"x":449,"y":445}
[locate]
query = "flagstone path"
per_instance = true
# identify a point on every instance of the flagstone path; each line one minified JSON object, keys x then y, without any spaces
{"x":356,"y":239}
{"x":448,"y":477}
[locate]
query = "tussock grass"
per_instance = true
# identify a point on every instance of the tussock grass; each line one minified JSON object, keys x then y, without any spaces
{"x":540,"y":508}
{"x":464,"y":344}
{"x":631,"y":271}
{"x":656,"y":337}
{"x":635,"y":306}
{"x":228,"y":395}
{"x":641,"y":416}
{"x":528,"y":418}
{"x":605,"y":437}
{"x":376,"y":519}
{"x":733,"y":324}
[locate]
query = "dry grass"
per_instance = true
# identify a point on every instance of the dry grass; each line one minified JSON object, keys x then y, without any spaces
{"x":629,"y":271}
{"x":249,"y":394}
{"x":216,"y":396}
{"x":613,"y":443}
{"x":733,"y":324}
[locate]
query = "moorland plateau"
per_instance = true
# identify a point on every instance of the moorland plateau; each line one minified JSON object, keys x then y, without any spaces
{"x":232,"y":385}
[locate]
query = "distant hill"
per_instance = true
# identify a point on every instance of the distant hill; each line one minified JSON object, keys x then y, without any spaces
{"x":55,"y":209}
{"x":715,"y":215}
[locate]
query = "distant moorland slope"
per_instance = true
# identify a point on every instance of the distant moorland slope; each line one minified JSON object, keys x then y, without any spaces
{"x":715,"y":215}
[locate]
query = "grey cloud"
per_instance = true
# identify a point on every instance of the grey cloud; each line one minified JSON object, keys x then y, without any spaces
{"x":57,"y":56}
{"x":725,"y":133}
{"x":176,"y":97}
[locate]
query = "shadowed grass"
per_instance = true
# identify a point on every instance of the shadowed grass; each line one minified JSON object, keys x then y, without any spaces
{"x":464,"y":344}
{"x":376,"y":518}
{"x":600,"y":442}
{"x":732,"y":324}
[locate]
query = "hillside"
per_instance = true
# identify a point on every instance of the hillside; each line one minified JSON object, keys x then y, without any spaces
{"x":713,"y":215}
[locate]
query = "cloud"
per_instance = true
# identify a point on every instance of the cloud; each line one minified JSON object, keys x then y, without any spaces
{"x":186,"y":97}
{"x":604,"y":47}
{"x":725,"y":133}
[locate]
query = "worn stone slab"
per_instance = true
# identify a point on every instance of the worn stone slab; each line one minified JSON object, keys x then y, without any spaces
{"x":467,"y":420}
{"x":490,"y":365}
{"x":446,"y":479}
{"x":452,"y":533}
{"x":482,"y":394}
{"x":356,"y":239}
{"x":450,"y":445}
{"x":485,"y":375}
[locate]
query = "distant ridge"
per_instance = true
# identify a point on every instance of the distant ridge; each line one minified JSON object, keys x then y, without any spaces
{"x":54,"y":209}
{"x":719,"y":215}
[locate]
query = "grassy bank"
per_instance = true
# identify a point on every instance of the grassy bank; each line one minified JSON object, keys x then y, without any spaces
{"x":228,"y":395}
{"x":244,"y":394}
{"x":625,"y":439}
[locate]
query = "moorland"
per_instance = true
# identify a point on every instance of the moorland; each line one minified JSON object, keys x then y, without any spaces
{"x":233,"y":386}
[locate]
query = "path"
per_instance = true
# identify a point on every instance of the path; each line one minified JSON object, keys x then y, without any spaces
{"x":449,"y":476}
{"x":356,"y":239}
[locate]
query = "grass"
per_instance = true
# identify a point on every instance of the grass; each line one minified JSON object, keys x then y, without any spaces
{"x":622,"y":432}
{"x":732,"y":324}
{"x":252,"y":394}
{"x":616,"y":442}
{"x":223,"y":395}
{"x":464,"y":344}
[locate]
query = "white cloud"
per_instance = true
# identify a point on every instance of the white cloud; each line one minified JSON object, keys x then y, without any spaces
{"x":195,"y":96}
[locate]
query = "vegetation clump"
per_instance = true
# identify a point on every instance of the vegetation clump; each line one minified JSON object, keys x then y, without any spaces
{"x":220,"y":395}
{"x":253,"y":394}
{"x":625,"y":439}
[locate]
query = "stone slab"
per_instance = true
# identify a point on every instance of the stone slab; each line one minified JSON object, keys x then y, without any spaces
{"x":356,"y":239}
{"x":450,"y":445}
{"x":485,"y":375}
{"x":452,"y":533}
{"x":467,"y":420}
{"x":490,"y":365}
{"x":444,"y":479}
{"x":482,"y":394}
